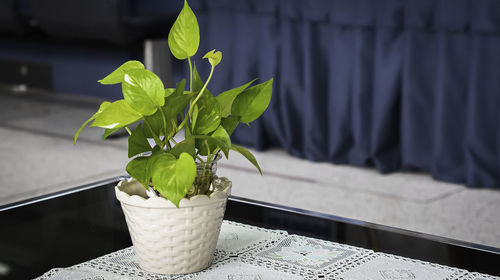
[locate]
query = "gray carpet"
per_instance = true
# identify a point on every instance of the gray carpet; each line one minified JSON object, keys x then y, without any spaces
{"x":37,"y":146}
{"x":39,"y":158}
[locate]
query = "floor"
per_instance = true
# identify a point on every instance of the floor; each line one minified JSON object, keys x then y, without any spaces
{"x":36,"y":132}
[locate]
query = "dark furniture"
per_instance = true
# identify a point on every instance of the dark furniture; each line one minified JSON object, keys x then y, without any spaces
{"x":74,"y":226}
{"x":75,"y":43}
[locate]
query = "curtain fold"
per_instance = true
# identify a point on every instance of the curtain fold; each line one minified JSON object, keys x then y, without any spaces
{"x":389,"y":84}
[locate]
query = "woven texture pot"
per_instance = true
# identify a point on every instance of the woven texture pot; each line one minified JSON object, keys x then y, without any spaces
{"x":171,"y":240}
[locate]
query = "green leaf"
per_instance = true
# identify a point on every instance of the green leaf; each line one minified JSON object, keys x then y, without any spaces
{"x":209,"y":115}
{"x":194,"y":117}
{"x":219,"y":139}
{"x":156,"y":150}
{"x":143,"y":91}
{"x":230,"y":124}
{"x":223,"y":137}
{"x":169,"y":91}
{"x":204,"y":144}
{"x":184,"y":36}
{"x":103,"y":106}
{"x":197,"y":81}
{"x":116,"y":76}
{"x":178,"y":101}
{"x":226,"y":98}
{"x":138,"y":142}
{"x":213,"y":57}
{"x":108,"y":132}
{"x":247,"y":155}
{"x":251,"y":103}
{"x":157,"y":155}
{"x":137,"y":168}
{"x":173,"y":177}
{"x":185,"y":146}
{"x":116,"y":114}
{"x":156,"y":123}
{"x":141,"y":167}
{"x":187,"y":133}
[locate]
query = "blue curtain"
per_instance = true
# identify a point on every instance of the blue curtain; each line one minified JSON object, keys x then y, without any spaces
{"x":392,"y":84}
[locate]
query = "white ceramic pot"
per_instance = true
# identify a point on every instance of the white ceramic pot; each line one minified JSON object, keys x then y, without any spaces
{"x":171,"y":240}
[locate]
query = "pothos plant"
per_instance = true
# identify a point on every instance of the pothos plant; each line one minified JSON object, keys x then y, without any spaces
{"x":159,"y":113}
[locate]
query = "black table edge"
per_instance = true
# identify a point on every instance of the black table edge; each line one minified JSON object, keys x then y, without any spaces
{"x":410,"y":233}
{"x":60,"y":193}
{"x":431,"y":237}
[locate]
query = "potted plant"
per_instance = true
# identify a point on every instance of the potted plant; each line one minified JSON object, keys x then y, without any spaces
{"x":174,"y":202}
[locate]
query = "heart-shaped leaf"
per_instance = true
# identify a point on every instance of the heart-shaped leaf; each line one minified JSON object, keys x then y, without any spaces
{"x":221,"y":134}
{"x":226,"y":98}
{"x":137,"y":168}
{"x":184,"y":36}
{"x":155,"y":123}
{"x":197,"y":81}
{"x":173,"y":177}
{"x":185,"y":146}
{"x":230,"y":124}
{"x":116,"y":76}
{"x":204,"y":144}
{"x":108,"y":132}
{"x":251,"y":103}
{"x":194,"y":117}
{"x":247,"y":155}
{"x":116,"y":114}
{"x":103,"y":106}
{"x":178,"y":101}
{"x":140,"y":168}
{"x":143,"y":91}
{"x":219,"y":139}
{"x":209,"y":115}
{"x":169,"y":91}
{"x":138,"y":142}
{"x":155,"y":156}
{"x":214,"y":57}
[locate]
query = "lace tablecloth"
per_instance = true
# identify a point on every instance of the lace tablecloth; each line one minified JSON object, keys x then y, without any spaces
{"x":252,"y":253}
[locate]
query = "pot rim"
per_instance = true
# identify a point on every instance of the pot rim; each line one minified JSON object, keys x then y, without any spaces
{"x":138,"y":196}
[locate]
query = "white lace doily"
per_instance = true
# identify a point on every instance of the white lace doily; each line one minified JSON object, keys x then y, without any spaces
{"x":250,"y":253}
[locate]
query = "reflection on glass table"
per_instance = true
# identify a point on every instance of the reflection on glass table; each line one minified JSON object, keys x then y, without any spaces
{"x":71,"y":227}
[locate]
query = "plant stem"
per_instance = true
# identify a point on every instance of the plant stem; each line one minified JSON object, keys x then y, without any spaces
{"x":201,"y":92}
{"x":173,"y":140}
{"x":214,"y":155}
{"x":199,"y":158}
{"x":128,"y":130}
{"x":181,"y":125}
{"x":208,"y":149}
{"x":164,"y":122}
{"x":190,"y":74}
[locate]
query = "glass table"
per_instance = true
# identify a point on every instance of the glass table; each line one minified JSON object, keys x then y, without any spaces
{"x":74,"y":226}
